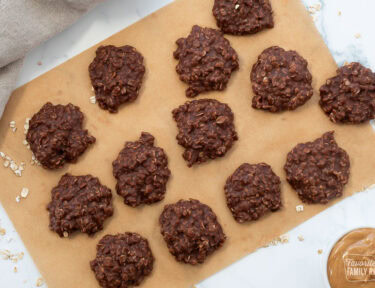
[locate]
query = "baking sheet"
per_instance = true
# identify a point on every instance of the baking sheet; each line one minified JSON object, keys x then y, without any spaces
{"x":263,"y":137}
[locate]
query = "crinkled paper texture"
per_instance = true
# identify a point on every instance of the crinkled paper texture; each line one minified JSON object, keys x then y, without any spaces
{"x":263,"y":137}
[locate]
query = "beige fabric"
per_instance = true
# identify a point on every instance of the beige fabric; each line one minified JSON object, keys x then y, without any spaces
{"x":24,"y":24}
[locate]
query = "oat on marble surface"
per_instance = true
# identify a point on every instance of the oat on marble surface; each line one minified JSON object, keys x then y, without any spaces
{"x":300,"y":238}
{"x":6,"y":254}
{"x":314,"y":8}
{"x":39,"y":282}
{"x":320,"y":251}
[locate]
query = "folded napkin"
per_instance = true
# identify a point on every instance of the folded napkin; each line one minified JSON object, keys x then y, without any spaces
{"x":24,"y":24}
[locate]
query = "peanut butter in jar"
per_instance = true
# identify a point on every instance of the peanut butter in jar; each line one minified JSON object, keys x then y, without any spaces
{"x":351,"y":262}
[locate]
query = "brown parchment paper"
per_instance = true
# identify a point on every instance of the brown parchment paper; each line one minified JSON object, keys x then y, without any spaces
{"x":262,"y":137}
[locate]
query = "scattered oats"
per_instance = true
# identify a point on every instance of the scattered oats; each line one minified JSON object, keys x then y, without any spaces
{"x":24,"y":142}
{"x":320,"y":251}
{"x":24,"y":192}
{"x":2,"y":231}
{"x":299,"y":208}
{"x":7,"y":255}
{"x":358,"y":35}
{"x":284,"y":238}
{"x":6,"y":163}
{"x":300,"y":238}
{"x":339,"y":13}
{"x":66,"y":234}
{"x":314,"y":8}
{"x":92,"y":99}
{"x":237,"y":6}
{"x":26,"y":126}
{"x":18,"y":199}
{"x":14,"y":129}
{"x":12,"y":124}
{"x":15,"y":269}
{"x":39,"y":282}
{"x":13,"y":166}
{"x":34,"y":161}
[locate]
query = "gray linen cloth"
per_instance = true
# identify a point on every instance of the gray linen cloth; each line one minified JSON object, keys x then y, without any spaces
{"x":24,"y":24}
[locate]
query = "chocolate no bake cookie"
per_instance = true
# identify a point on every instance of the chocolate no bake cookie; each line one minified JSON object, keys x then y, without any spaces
{"x":206,"y":129}
{"x":349,"y":97}
{"x":252,"y":191}
{"x":191,"y":231}
{"x":79,"y":203}
{"x":280,"y":80}
{"x":55,"y":135}
{"x":116,"y":75}
{"x":241,"y":17}
{"x":122,"y":260}
{"x":318,"y":170}
{"x":206,"y":60}
{"x":141,"y":170}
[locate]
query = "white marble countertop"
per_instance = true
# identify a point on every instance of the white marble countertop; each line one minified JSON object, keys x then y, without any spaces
{"x":346,"y":27}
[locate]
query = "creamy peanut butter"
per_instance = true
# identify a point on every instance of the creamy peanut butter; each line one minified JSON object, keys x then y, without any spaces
{"x":351,"y":262}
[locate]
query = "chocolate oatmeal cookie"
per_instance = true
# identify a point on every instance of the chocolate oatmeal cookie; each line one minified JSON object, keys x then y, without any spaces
{"x":206,"y":130}
{"x":349,"y":97}
{"x":56,"y":136}
{"x":318,"y":170}
{"x":241,"y":17}
{"x":122,"y":260}
{"x":280,"y":80}
{"x":116,"y":75}
{"x":206,"y":60}
{"x":191,"y":231}
{"x":252,"y":191}
{"x":141,"y":170}
{"x":79,"y":203}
